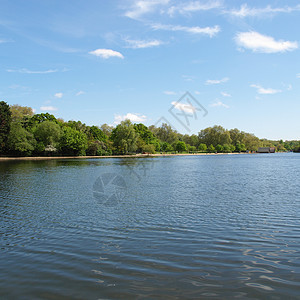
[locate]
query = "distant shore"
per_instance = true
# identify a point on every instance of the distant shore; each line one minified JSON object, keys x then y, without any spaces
{"x":111,"y":156}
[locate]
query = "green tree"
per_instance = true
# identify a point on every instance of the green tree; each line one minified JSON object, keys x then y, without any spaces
{"x":107,"y":129}
{"x":166,"y":147}
{"x":150,"y":148}
{"x":31,"y":122}
{"x":211,"y":149}
{"x":97,"y":134}
{"x":20,"y":141}
{"x":240,"y":147}
{"x":214,"y":136}
{"x":165,"y":133}
{"x":147,"y":136}
{"x":202,"y":147}
{"x":179,"y":146}
{"x":251,"y":142}
{"x":219,"y":148}
{"x":48,"y":132}
{"x":228,"y":148}
{"x":5,"y":124}
{"x":19,"y":113}
{"x":124,"y":138}
{"x":73,"y":142}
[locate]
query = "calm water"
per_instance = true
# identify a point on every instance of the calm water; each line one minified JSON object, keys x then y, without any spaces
{"x":195,"y":227}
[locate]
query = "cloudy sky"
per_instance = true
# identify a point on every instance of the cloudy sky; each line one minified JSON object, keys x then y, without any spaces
{"x":105,"y":61}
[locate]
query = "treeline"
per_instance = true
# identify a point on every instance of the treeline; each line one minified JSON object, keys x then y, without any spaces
{"x":23,"y":133}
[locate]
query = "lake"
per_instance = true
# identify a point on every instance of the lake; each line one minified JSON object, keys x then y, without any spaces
{"x":180,"y":227}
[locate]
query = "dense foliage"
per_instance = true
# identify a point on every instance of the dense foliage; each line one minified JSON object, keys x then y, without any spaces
{"x":23,"y":133}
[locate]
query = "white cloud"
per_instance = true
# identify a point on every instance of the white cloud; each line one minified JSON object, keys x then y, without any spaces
{"x":106,"y":53}
{"x":136,"y":118}
{"x":224,"y":94}
{"x":262,"y":43}
{"x":142,"y":7}
{"x":48,"y":108}
{"x":219,"y":104}
{"x":139,"y":44}
{"x":298,"y":75}
{"x":197,"y":93}
{"x":246,"y":11}
{"x":169,"y":93}
{"x":188,"y":108}
{"x":80,"y":93}
{"x":26,"y":71}
{"x":209,"y":81}
{"x":193,"y":6}
{"x":264,"y":91}
{"x":211,"y":31}
{"x":58,"y":95}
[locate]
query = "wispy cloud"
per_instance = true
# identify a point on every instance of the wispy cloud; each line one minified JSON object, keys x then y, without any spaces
{"x":246,"y":11}
{"x":264,"y":91}
{"x":17,"y":86}
{"x":188,"y":78}
{"x":48,"y":108}
{"x":171,"y":93}
{"x":2,"y":41}
{"x":136,"y":118}
{"x":139,"y":44}
{"x":58,"y":95}
{"x":224,"y":94}
{"x":210,"y":31}
{"x":106,"y":53}
{"x":184,"y":107}
{"x":262,"y":43}
{"x":193,"y":6}
{"x":79,"y":93}
{"x":298,"y":75}
{"x":142,"y":7}
{"x":26,"y":71}
{"x":219,"y":104}
{"x":210,"y":81}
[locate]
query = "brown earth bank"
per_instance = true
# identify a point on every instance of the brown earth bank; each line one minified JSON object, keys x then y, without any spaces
{"x":111,"y":156}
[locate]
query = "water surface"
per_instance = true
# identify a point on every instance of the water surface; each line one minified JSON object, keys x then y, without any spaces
{"x":193,"y":227}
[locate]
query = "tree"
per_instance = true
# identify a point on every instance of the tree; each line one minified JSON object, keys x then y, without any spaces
{"x":31,"y":122}
{"x":107,"y":129}
{"x":165,"y":133}
{"x":179,"y":146}
{"x":228,"y":148}
{"x":251,"y":142}
{"x":219,"y":148}
{"x":166,"y":147}
{"x":214,"y":136}
{"x":96,"y":133}
{"x":97,"y":148}
{"x":211,"y":149}
{"x":47,"y":133}
{"x":20,"y":141}
{"x":73,"y":142}
{"x":202,"y":147}
{"x":147,"y":136}
{"x":19,"y":113}
{"x":5,"y":123}
{"x":124,"y":138}
{"x":150,"y":148}
{"x":240,"y":148}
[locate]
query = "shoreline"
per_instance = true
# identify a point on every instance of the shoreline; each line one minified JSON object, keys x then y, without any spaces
{"x":111,"y":156}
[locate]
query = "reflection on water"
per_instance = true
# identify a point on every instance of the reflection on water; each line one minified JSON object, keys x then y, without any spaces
{"x":187,"y":228}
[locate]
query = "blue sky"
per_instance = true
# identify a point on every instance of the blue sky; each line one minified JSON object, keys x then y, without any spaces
{"x":105,"y":61}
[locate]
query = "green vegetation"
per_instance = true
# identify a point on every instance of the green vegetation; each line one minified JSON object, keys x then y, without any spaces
{"x":23,"y":133}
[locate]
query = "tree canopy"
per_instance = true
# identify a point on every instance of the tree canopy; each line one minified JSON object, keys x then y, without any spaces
{"x":24,"y":133}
